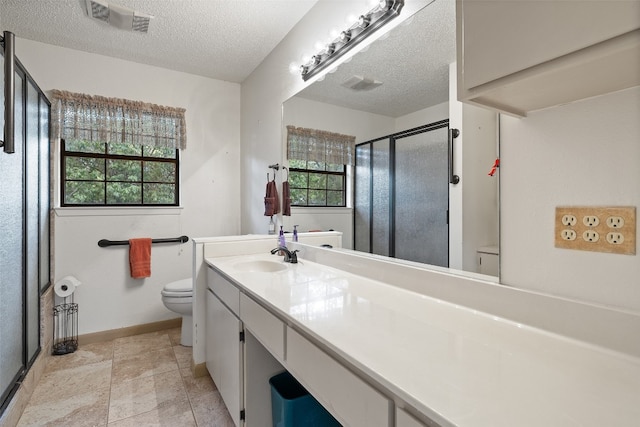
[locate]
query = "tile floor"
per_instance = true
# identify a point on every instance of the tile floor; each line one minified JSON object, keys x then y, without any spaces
{"x":142,"y":380}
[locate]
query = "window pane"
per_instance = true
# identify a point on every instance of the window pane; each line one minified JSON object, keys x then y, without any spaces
{"x":124,"y":193}
{"x":159,"y":152}
{"x":317,"y":181}
{"x":316,"y":166}
{"x":124,"y":170}
{"x":298,"y":179}
{"x":334,"y":198}
{"x":298,"y":196}
{"x":85,"y":146}
{"x":317,"y":197}
{"x":84,"y":168}
{"x":298,"y":164}
{"x":159,"y":194}
{"x":159,"y":172}
{"x":335,"y":168}
{"x":125,"y":149}
{"x":83,"y":193}
{"x":334,"y":182}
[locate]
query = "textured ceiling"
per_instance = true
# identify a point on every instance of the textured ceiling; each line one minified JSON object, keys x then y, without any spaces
{"x":413,"y":64}
{"x":220,"y":39}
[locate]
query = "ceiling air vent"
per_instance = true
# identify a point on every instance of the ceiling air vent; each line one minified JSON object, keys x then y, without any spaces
{"x":360,"y":83}
{"x":118,"y":16}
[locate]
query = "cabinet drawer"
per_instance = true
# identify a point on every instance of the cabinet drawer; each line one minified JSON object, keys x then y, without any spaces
{"x":267,"y":328}
{"x":228,"y":293}
{"x":353,"y":402}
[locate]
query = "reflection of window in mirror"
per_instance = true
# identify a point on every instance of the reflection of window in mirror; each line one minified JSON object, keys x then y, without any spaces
{"x":317,"y":184}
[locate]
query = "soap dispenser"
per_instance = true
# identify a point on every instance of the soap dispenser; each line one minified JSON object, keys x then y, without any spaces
{"x":281,"y":240}
{"x":272,"y":226}
{"x":295,"y":233}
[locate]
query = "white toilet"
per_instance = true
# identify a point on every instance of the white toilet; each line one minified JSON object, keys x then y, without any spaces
{"x":178,"y":297}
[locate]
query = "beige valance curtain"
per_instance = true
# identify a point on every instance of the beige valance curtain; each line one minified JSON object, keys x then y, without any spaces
{"x":76,"y":116}
{"x":320,"y":146}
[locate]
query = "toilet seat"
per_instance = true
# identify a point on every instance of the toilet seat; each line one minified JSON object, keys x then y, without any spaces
{"x":183,"y":294}
{"x":180,"y":289}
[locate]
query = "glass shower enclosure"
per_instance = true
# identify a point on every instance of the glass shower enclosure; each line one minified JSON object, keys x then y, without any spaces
{"x":24,"y":227}
{"x":402,"y":195}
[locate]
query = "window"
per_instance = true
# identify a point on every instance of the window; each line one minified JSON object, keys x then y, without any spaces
{"x":318,"y":163}
{"x":95,"y":174}
{"x":317,"y":184}
{"x":117,"y":152}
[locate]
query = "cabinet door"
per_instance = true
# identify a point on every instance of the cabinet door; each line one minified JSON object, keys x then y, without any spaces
{"x":224,"y":354}
{"x":502,"y":37}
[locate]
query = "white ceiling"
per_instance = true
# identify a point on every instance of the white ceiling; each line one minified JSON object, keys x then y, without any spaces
{"x":220,"y":39}
{"x":413,"y":64}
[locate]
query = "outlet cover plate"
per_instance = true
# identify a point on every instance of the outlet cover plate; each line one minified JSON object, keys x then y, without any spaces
{"x":604,"y":218}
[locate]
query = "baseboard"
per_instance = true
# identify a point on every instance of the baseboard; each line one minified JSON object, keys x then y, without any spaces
{"x":129,"y":331}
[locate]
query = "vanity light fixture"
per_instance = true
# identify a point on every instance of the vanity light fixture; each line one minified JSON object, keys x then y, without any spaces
{"x":367,"y":24}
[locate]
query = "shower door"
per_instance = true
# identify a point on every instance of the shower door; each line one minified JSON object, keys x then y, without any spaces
{"x":402,"y":195}
{"x":422,"y":198}
{"x":24,"y":227}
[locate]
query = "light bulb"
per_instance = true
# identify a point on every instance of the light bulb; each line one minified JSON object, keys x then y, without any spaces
{"x":364,"y":21}
{"x":294,"y":68}
{"x":372,"y":3}
{"x":345,"y":36}
{"x":384,"y":5}
{"x":351,"y":18}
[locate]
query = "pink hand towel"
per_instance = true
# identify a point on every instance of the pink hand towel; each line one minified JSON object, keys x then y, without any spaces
{"x":140,"y":257}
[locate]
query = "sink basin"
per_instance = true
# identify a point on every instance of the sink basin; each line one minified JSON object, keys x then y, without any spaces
{"x":262,"y":266}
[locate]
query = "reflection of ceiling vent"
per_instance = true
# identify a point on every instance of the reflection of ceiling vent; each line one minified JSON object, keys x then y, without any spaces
{"x":118,"y":16}
{"x":361,"y":83}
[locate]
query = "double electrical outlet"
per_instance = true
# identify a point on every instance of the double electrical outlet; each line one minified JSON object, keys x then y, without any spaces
{"x":602,"y":229}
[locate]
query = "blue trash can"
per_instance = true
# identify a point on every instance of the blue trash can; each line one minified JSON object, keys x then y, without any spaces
{"x":293,"y":406}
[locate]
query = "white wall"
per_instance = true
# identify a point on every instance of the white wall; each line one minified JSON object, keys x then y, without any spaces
{"x":585,"y":153}
{"x":473,"y":202}
{"x":109,"y":298}
{"x":423,"y":117}
{"x":319,"y":115}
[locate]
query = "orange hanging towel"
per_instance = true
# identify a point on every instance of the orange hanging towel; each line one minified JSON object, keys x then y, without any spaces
{"x":140,"y":257}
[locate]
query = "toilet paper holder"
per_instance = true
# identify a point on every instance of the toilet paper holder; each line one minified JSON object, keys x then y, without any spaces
{"x":65,"y":317}
{"x":65,"y":328}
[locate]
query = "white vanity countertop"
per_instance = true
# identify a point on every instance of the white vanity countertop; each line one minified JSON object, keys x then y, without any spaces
{"x":458,"y":366}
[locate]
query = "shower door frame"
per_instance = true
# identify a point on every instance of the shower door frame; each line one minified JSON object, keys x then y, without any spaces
{"x":392,"y":138}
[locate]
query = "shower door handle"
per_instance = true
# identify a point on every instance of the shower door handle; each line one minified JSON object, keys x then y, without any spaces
{"x":9,"y":93}
{"x":453,"y":134}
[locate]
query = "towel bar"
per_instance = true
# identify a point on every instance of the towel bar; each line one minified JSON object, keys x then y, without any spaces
{"x":104,"y":242}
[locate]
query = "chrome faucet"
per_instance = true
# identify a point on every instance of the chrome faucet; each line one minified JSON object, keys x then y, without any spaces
{"x":289,"y":256}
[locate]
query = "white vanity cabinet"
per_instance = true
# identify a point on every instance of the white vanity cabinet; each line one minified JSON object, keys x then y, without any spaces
{"x":239,"y":331}
{"x":223,"y":344}
{"x":522,"y":55}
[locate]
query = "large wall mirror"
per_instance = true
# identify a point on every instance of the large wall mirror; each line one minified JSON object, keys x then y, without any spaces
{"x":399,"y":199}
